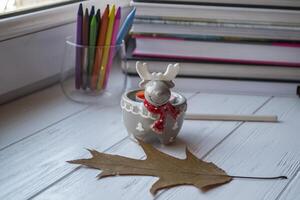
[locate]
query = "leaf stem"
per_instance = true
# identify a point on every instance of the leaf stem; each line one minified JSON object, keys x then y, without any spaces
{"x":258,"y":177}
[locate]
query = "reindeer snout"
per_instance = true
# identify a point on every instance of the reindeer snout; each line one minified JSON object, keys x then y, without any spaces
{"x":157,"y":93}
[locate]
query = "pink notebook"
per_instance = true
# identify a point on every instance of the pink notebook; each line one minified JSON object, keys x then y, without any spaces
{"x":287,"y":54}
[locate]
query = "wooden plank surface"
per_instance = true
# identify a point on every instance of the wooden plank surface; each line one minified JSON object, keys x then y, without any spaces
{"x":34,"y":163}
{"x":201,"y":136}
{"x":31,"y":114}
{"x":292,"y":191}
{"x":255,"y":149}
{"x":37,"y":161}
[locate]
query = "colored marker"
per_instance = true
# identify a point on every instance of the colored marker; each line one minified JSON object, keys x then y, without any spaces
{"x":92,"y":13}
{"x":92,"y":43}
{"x":99,"y":50}
{"x":125,"y":26}
{"x":113,"y":48}
{"x":85,"y":43}
{"x":98,"y":18}
{"x":78,"y":63}
{"x":98,"y":15}
{"x":111,"y":19}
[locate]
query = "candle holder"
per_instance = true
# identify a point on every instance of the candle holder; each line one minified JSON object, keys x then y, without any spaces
{"x":154,"y":113}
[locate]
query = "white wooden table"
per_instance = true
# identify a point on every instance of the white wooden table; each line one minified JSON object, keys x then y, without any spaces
{"x":40,"y":132}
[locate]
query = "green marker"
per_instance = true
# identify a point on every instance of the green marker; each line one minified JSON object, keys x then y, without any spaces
{"x":92,"y":44}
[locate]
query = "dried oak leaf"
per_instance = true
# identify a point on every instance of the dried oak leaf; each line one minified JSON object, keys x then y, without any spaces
{"x":170,"y":170}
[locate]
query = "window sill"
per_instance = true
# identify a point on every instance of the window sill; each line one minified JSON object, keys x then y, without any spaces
{"x":12,"y":27}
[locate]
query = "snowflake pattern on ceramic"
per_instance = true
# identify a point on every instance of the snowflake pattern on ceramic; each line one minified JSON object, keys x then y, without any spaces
{"x":139,"y":127}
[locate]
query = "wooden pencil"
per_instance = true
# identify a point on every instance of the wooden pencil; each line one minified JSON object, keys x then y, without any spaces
{"x":246,"y":118}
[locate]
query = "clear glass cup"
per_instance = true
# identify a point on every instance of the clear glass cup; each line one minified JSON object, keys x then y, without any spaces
{"x":93,"y":74}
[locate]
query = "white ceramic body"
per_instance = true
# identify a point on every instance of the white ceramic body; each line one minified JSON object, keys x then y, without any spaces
{"x":138,"y":120}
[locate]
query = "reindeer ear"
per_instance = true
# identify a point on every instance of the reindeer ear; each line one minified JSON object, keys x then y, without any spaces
{"x":170,"y":84}
{"x":143,"y":83}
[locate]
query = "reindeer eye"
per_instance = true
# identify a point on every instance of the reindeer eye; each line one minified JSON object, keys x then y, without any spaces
{"x":159,"y":93}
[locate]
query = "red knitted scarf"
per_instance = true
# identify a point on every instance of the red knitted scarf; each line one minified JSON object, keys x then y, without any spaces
{"x":159,"y":125}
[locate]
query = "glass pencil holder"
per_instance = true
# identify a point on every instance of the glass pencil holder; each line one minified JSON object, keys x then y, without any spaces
{"x":93,"y":74}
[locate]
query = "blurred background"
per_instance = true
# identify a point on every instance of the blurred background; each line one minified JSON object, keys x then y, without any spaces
{"x":13,"y":6}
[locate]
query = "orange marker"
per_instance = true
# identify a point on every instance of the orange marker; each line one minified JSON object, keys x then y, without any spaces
{"x":111,"y":20}
{"x":99,"y":52}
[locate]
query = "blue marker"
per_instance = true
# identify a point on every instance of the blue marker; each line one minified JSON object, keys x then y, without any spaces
{"x":125,"y":26}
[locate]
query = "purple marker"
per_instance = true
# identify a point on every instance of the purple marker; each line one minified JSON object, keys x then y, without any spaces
{"x":78,"y":48}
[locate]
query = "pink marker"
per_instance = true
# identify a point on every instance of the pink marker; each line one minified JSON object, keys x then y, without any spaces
{"x":113,"y":43}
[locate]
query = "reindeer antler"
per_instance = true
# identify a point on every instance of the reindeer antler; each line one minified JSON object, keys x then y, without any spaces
{"x":169,"y":75}
{"x":171,"y":72}
{"x":142,"y":70}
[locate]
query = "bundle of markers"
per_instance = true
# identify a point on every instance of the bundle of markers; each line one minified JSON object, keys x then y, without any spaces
{"x":97,"y":41}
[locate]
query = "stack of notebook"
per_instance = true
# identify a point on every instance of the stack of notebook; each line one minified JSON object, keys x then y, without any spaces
{"x":219,"y":38}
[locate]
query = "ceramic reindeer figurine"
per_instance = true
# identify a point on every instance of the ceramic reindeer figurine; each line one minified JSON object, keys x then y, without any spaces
{"x":158,"y":113}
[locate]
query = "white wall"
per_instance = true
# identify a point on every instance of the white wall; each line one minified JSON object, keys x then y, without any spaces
{"x":31,"y":58}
